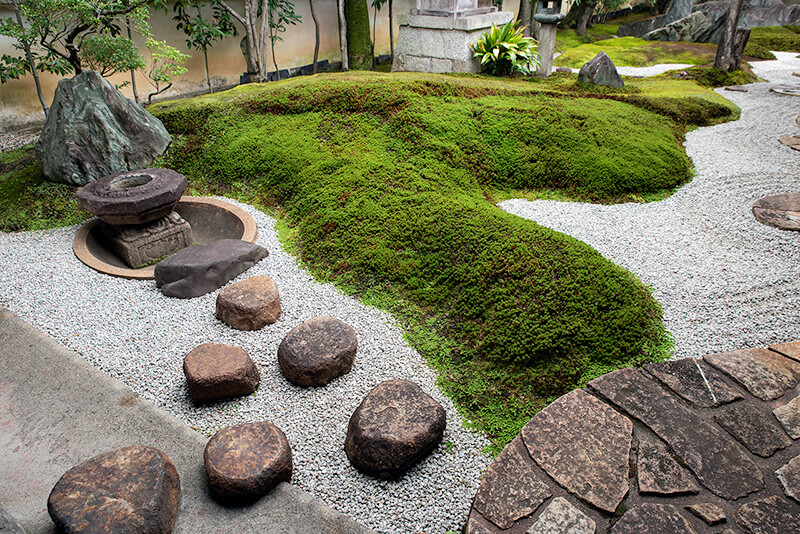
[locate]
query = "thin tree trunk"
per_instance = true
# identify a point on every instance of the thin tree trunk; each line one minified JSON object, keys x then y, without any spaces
{"x":374,"y":30}
{"x":524,"y":16}
{"x":133,"y":72}
{"x":726,"y":56}
{"x":208,"y":78}
{"x":31,"y":62}
{"x":343,"y":35}
{"x":391,"y":33}
{"x":316,"y":36}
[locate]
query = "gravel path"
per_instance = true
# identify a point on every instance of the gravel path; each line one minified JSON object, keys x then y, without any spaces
{"x":724,"y":280}
{"x":643,"y":72}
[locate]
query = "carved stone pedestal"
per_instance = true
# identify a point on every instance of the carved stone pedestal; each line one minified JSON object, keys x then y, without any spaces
{"x":138,"y":245}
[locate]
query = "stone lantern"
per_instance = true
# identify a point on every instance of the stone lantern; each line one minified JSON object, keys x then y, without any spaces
{"x":548,"y":14}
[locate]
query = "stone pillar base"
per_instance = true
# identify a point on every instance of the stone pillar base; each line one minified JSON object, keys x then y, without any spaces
{"x":138,"y":245}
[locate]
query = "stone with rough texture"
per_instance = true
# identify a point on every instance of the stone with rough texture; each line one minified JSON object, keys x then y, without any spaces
{"x":714,"y":458}
{"x":772,"y":515}
{"x":143,"y":244}
{"x":788,"y":416}
{"x":317,"y":351}
{"x":200,"y":269}
{"x":779,"y":211}
{"x":658,"y":471}
{"x":789,"y":477}
{"x":510,"y":489}
{"x":92,"y":130}
{"x":476,"y":526}
{"x":600,"y":71}
{"x":8,"y":525}
{"x":695,"y":27}
{"x":130,"y":490}
{"x":250,"y":304}
{"x":247,"y":461}
{"x":585,"y":446}
{"x":395,"y":426}
{"x":765,"y":374}
{"x":215,"y":371}
{"x":790,"y":350}
{"x":692,"y":380}
{"x":709,"y":512}
{"x":753,"y":428}
{"x":561,"y":517}
{"x":653,"y":518}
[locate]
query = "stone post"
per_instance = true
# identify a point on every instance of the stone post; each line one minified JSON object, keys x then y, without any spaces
{"x":547,"y":41}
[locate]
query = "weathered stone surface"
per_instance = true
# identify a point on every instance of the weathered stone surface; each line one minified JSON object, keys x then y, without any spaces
{"x":561,"y":517}
{"x":250,"y":304}
{"x":142,"y":244}
{"x":772,"y":515}
{"x":201,"y":269}
{"x":689,"y":378}
{"x":133,"y":197}
{"x":764,"y":373}
{"x":714,"y":458}
{"x":600,"y":71}
{"x":789,"y":477}
{"x":317,"y":351}
{"x":215,"y":371}
{"x":92,"y":130}
{"x":708,"y":512}
{"x":510,"y":489}
{"x":585,"y":446}
{"x":753,"y":428}
{"x":247,"y":461}
{"x":395,"y":426}
{"x":130,"y":490}
{"x":658,"y":471}
{"x":779,"y":211}
{"x":691,"y":28}
{"x":790,"y":350}
{"x":788,"y":416}
{"x":8,"y":525}
{"x":653,"y":518}
{"x":477,"y":525}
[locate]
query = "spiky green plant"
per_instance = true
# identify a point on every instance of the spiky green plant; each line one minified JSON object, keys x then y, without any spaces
{"x":504,"y":50}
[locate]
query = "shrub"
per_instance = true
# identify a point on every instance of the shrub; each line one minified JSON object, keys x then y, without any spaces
{"x":505,"y":51}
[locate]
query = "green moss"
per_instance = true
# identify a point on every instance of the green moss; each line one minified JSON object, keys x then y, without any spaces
{"x":757,"y":51}
{"x":635,"y":52}
{"x":778,"y":38}
{"x":711,"y":77}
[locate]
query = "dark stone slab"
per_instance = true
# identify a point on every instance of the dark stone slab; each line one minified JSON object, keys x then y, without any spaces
{"x":600,"y":70}
{"x":765,"y":374}
{"x":477,"y":525}
{"x":250,"y":304}
{"x":690,"y":379}
{"x":789,"y":478}
{"x":779,"y":211}
{"x":140,"y":245}
{"x":754,"y":429}
{"x":130,"y":490}
{"x":317,"y":351}
{"x":247,"y":461}
{"x":709,"y":512}
{"x":714,"y":458}
{"x":561,"y":517}
{"x":215,"y":371}
{"x":788,"y":416}
{"x":200,"y":269}
{"x":790,"y":350}
{"x":585,"y":446}
{"x":510,"y":489}
{"x":653,"y":518}
{"x":395,"y":426}
{"x":658,"y":471}
{"x":772,"y":515}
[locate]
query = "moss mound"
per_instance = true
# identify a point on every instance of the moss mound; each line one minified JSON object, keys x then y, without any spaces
{"x":635,"y":52}
{"x":783,"y":39}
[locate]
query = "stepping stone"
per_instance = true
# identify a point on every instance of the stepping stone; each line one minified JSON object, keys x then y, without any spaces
{"x":708,"y":512}
{"x":779,"y":211}
{"x":790,"y":89}
{"x":317,"y":351}
{"x":130,"y":490}
{"x":654,"y":518}
{"x":395,"y":426}
{"x":474,"y":526}
{"x":247,"y":461}
{"x":201,"y":269}
{"x":693,"y":381}
{"x":736,"y":88}
{"x":765,"y":374}
{"x":658,"y":471}
{"x":789,"y":477}
{"x":792,"y":141}
{"x":250,"y":304}
{"x":585,"y":445}
{"x":790,"y":350}
{"x":510,"y":489}
{"x":772,"y":515}
{"x":712,"y":455}
{"x":788,"y":416}
{"x":561,"y":517}
{"x":754,"y":429}
{"x":216,"y":371}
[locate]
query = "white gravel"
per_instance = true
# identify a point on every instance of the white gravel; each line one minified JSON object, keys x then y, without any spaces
{"x":643,"y":72}
{"x":724,"y":280}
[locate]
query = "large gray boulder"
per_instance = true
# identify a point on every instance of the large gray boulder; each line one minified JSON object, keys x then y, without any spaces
{"x":92,"y":130}
{"x":695,"y":28}
{"x":600,"y":71}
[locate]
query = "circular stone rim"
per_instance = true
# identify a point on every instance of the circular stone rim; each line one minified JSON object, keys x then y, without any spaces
{"x":83,"y":253}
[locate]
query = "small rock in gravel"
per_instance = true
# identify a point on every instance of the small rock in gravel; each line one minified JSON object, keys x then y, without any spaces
{"x":215,"y":371}
{"x":317,"y":351}
{"x":250,"y":304}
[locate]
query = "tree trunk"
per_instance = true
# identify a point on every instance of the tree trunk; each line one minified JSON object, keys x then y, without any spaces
{"x":316,"y":36}
{"x":31,"y":62}
{"x":726,"y":58}
{"x":583,"y":16}
{"x":391,"y":33}
{"x":359,"y":45}
{"x":343,"y":35}
{"x":208,"y":78}
{"x":133,"y":73}
{"x":524,"y":16}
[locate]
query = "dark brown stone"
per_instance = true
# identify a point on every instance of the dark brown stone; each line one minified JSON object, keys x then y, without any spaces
{"x":764,"y":373}
{"x":790,"y":350}
{"x":714,"y":458}
{"x":779,"y":211}
{"x":216,"y":371}
{"x":561,"y":517}
{"x":585,"y":446}
{"x":317,"y":351}
{"x":658,"y":471}
{"x":478,"y":525}
{"x":395,"y":426}
{"x":693,"y":381}
{"x":510,"y":489}
{"x":789,"y":478}
{"x":653,"y":519}
{"x":754,"y":429}
{"x":130,"y":490}
{"x":788,"y":416}
{"x":247,"y":461}
{"x":708,"y":512}
{"x":142,"y":244}
{"x":250,"y":304}
{"x":772,"y":515}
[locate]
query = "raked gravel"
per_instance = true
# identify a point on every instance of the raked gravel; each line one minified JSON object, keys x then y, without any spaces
{"x":725,"y":281}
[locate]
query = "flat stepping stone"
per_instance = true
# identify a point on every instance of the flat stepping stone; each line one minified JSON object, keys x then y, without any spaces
{"x":653,"y":518}
{"x":250,"y":304}
{"x":788,"y":416}
{"x":659,"y":473}
{"x":790,"y":350}
{"x":561,"y":517}
{"x":764,"y":373}
{"x":792,"y":141}
{"x":693,"y":381}
{"x":789,"y":478}
{"x":216,"y":372}
{"x":201,"y":269}
{"x":736,"y":88}
{"x":772,"y":515}
{"x":786,"y":89}
{"x":710,"y":513}
{"x":317,"y":351}
{"x":584,"y":445}
{"x":130,"y":490}
{"x":247,"y":461}
{"x":395,"y":426}
{"x":779,"y":211}
{"x":753,"y":429}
